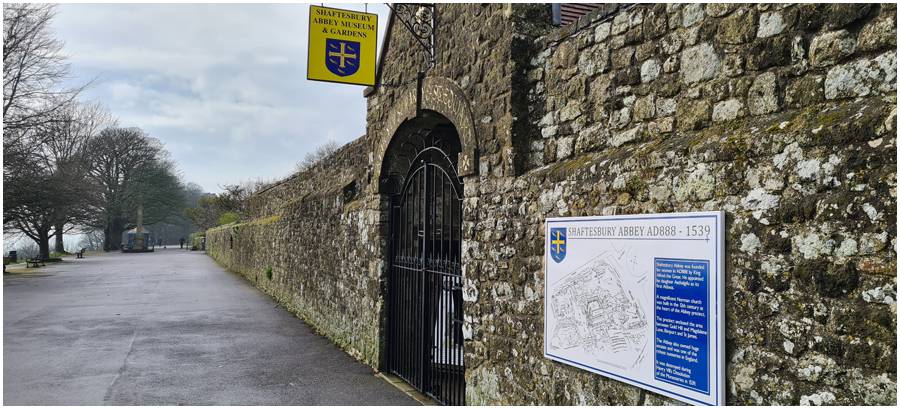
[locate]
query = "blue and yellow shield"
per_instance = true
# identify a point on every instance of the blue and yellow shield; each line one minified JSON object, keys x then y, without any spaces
{"x":558,"y":243}
{"x":341,"y":56}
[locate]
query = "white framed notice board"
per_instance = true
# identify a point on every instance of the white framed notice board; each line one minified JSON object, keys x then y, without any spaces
{"x":640,"y":299}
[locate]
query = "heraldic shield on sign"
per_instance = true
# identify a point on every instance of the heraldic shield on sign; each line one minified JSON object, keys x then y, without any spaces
{"x":558,"y":244}
{"x":341,"y":56}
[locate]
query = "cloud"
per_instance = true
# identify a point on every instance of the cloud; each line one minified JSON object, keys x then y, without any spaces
{"x":222,"y":85}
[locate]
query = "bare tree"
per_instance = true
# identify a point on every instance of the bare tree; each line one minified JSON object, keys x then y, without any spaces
{"x":65,"y":150}
{"x":48,"y":193}
{"x":33,"y":67}
{"x":31,"y":207}
{"x":27,"y":249}
{"x":323,"y":151}
{"x":72,"y":127}
{"x":92,"y":240}
{"x":213,"y":209}
{"x":205,"y":213}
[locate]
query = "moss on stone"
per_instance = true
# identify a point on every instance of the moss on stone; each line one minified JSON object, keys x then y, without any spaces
{"x":262,"y":221}
{"x":236,"y":226}
{"x":636,"y":185}
{"x":564,"y":170}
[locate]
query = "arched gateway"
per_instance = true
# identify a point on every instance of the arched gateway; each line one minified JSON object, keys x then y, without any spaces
{"x":425,"y":316}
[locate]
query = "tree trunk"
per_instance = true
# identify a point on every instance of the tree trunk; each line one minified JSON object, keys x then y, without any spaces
{"x":106,"y":235}
{"x":113,"y":235}
{"x":60,"y":247}
{"x":44,"y":243}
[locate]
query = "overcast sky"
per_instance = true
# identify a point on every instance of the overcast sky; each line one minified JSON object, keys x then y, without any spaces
{"x":222,"y":85}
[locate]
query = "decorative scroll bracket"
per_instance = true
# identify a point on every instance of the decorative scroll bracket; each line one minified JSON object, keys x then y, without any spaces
{"x":419,"y":20}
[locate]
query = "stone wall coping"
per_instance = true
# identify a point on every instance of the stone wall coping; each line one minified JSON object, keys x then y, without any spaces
{"x":313,"y":168}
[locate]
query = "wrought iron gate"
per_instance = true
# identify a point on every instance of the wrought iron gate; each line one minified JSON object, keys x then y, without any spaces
{"x":425,"y":340}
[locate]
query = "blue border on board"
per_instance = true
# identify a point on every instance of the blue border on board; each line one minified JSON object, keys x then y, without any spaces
{"x":708,"y":341}
{"x":619,"y":377}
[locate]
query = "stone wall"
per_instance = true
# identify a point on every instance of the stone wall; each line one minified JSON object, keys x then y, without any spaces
{"x":309,"y":245}
{"x":783,"y":116}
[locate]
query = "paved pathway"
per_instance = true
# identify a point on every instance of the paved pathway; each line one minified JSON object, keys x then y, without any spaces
{"x":166,"y":328}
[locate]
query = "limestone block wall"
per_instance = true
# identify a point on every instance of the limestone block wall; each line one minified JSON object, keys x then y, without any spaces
{"x":311,"y":243}
{"x":783,"y":116}
{"x":474,"y":47}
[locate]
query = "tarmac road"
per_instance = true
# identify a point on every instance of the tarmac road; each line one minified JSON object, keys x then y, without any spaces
{"x":167,"y":328}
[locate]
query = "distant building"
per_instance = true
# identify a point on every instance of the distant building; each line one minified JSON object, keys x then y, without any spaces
{"x":134,"y":242}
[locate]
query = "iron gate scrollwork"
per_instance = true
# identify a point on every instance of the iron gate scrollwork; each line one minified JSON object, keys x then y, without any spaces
{"x":425,"y":340}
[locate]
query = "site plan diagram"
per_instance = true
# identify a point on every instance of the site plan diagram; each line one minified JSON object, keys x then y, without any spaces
{"x":595,"y":312}
{"x":638,"y":298}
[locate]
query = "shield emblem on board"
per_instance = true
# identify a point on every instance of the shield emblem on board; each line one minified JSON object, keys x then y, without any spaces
{"x":558,"y":244}
{"x":341,"y":56}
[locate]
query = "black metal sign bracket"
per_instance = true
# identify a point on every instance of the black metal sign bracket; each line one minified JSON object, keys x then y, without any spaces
{"x":419,"y":19}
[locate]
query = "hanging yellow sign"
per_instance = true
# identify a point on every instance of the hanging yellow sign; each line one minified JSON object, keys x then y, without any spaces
{"x":342,"y":46}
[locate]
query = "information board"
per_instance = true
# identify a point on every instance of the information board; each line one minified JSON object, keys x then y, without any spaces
{"x":342,"y":46}
{"x":639,"y":298}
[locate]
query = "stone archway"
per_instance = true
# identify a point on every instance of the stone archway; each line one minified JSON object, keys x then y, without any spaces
{"x":423,"y":319}
{"x":441,"y":95}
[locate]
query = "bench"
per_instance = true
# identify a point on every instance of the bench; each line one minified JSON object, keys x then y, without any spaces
{"x":80,"y":254}
{"x":34,"y":262}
